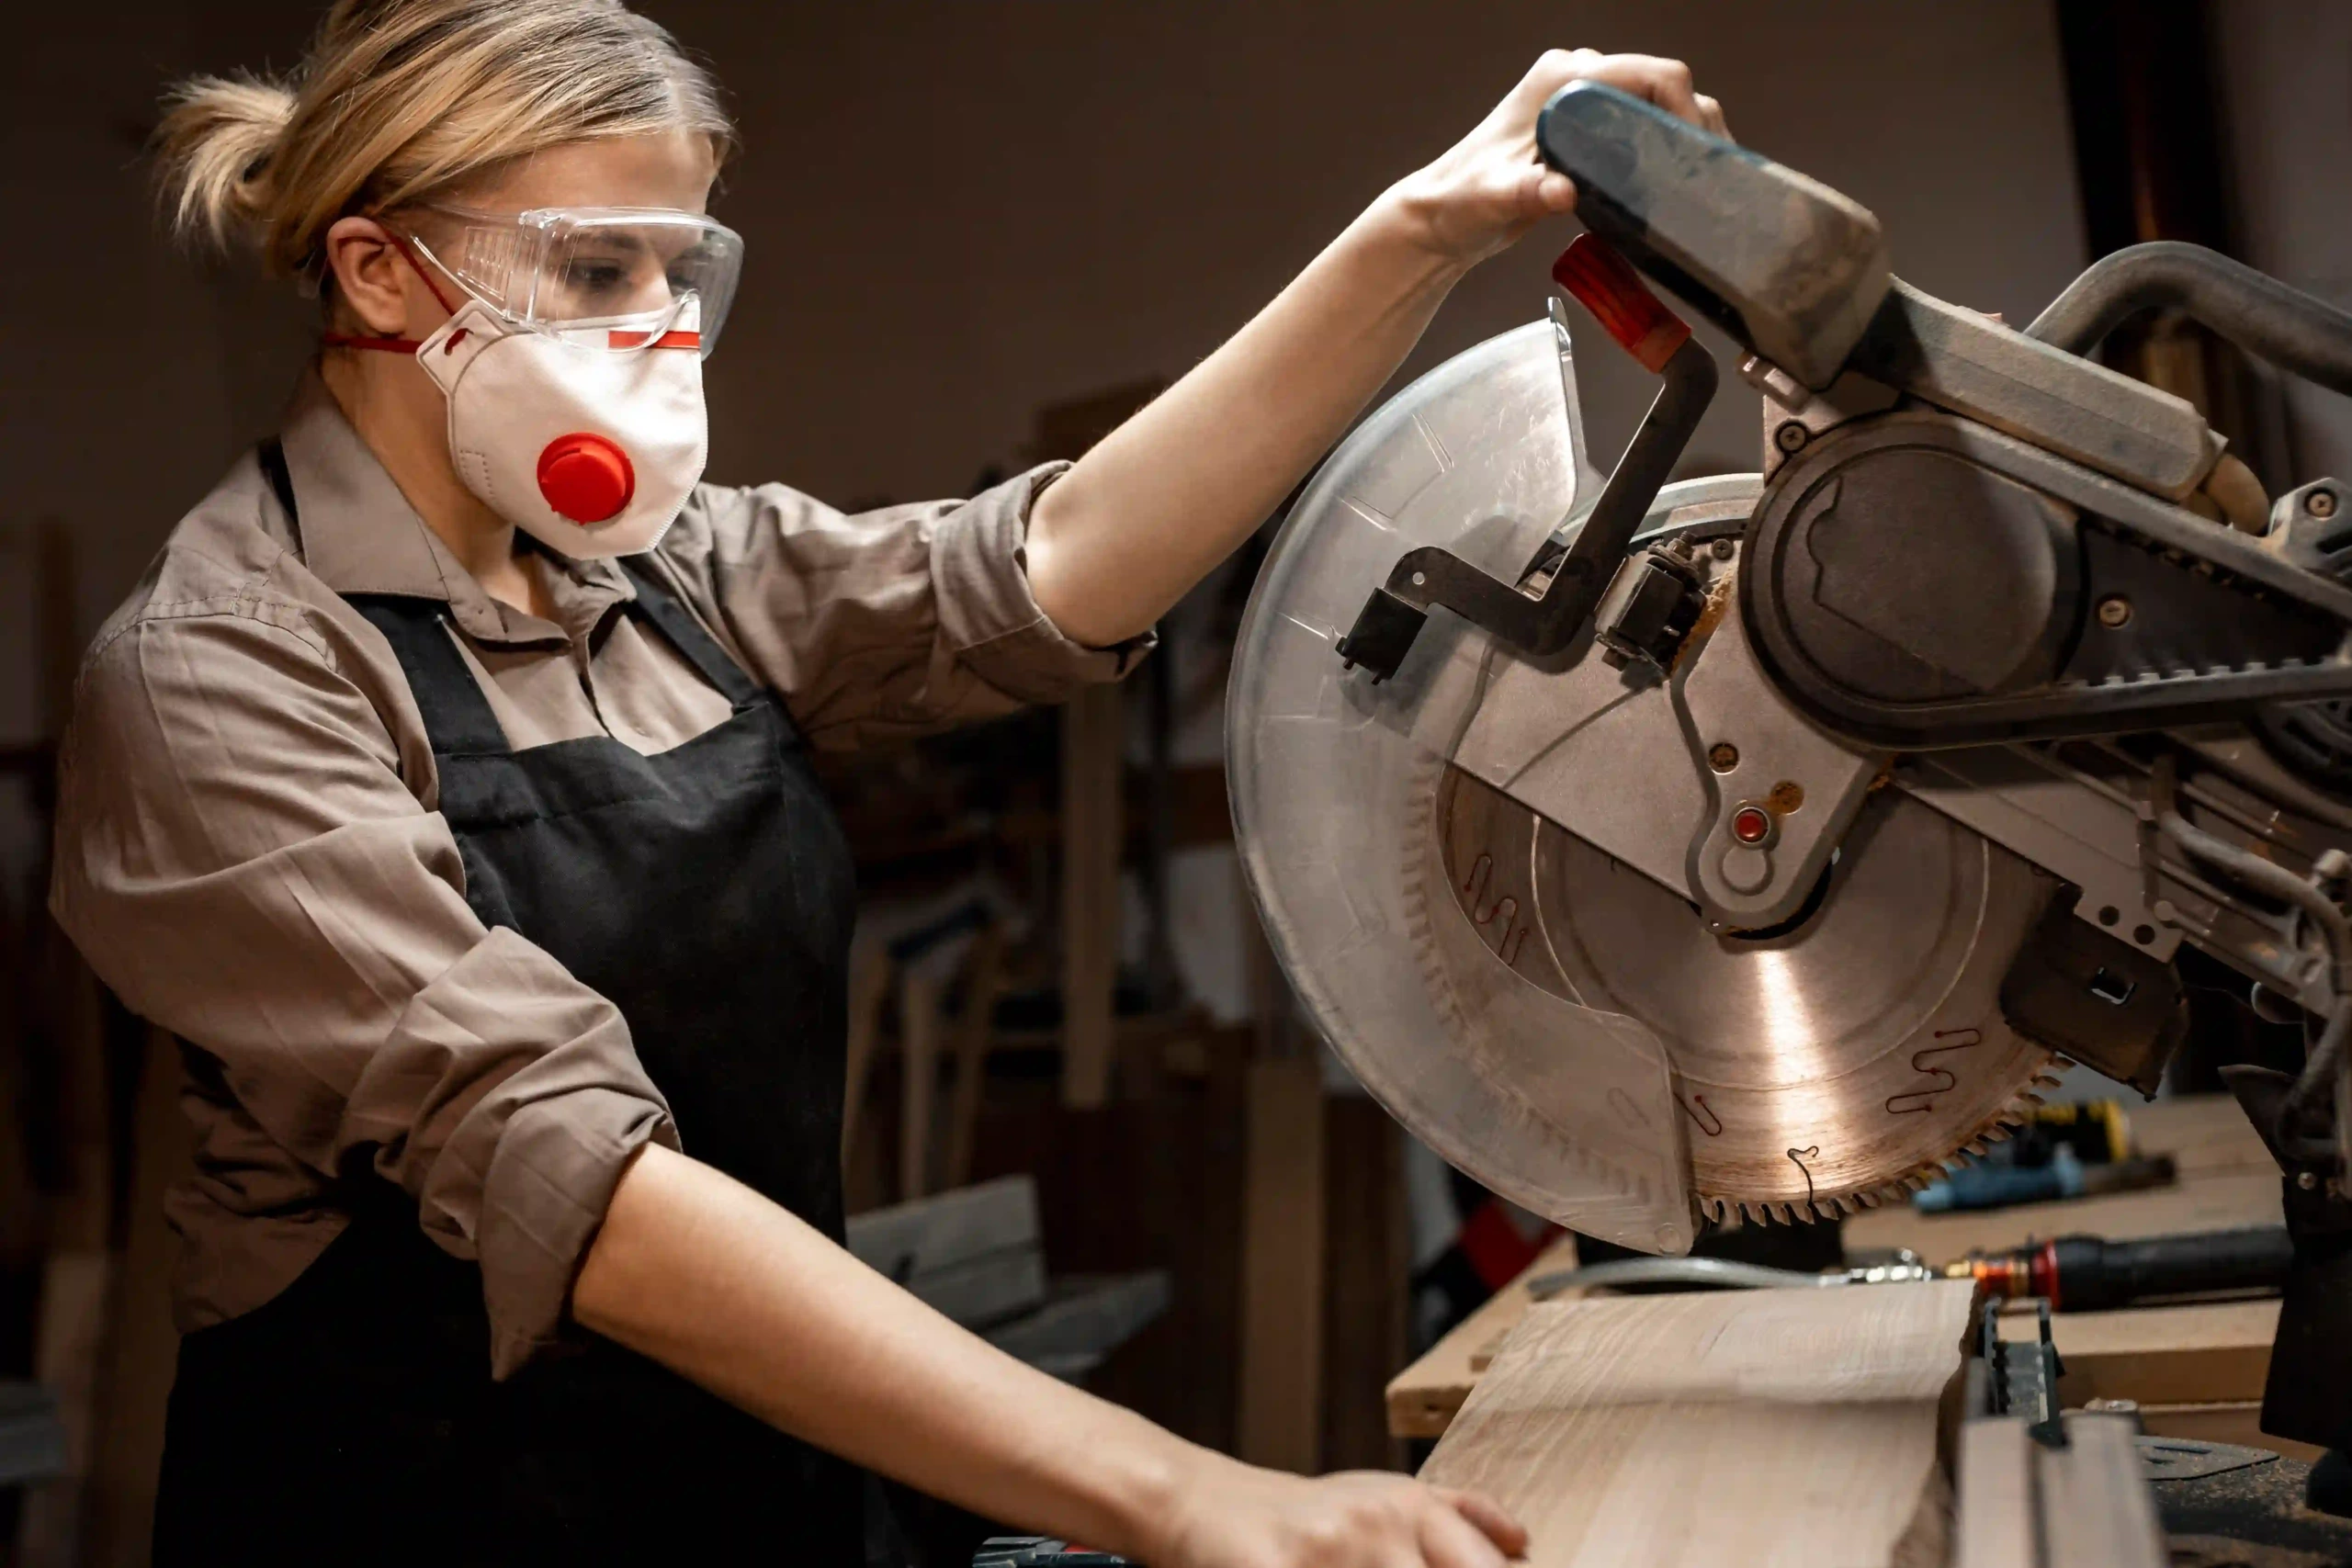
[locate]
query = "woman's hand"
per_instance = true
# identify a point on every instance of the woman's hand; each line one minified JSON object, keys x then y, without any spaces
{"x":1166,"y":496}
{"x":1490,"y":187}
{"x":1246,"y":1517}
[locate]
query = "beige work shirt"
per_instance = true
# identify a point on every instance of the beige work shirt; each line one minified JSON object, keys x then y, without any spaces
{"x":248,"y":849}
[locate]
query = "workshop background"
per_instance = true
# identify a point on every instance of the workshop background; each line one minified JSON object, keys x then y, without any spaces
{"x":978,"y":234}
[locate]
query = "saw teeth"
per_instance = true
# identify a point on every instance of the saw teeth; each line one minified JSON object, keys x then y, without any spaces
{"x":1897,"y":1190}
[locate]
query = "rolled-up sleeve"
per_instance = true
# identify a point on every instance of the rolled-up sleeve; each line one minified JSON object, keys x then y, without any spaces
{"x":887,"y":623}
{"x":239,"y":857}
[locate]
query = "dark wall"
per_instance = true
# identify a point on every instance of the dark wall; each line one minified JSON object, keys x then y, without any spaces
{"x":958,"y":212}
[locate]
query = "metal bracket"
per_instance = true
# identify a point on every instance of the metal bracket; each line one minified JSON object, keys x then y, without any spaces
{"x":1781,"y":793}
{"x":1548,"y":622}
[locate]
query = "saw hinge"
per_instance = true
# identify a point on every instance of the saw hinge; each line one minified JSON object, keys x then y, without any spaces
{"x":1652,"y":604}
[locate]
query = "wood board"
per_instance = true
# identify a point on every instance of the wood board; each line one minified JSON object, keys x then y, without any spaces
{"x":1425,"y":1397}
{"x":1810,"y":1423}
{"x":2217,"y":1201}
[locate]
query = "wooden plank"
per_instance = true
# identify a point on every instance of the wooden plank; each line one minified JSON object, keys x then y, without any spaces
{"x":947,"y":1228}
{"x":869,"y":993}
{"x":1368,"y":1271}
{"x":2207,"y":1135}
{"x":1093,"y":741}
{"x":2221,"y":1201}
{"x":121,"y":1509}
{"x":2098,"y":1510}
{"x":975,"y":1023}
{"x":920,"y":1027}
{"x":1424,"y":1398}
{"x":2227,"y":1179}
{"x":1808,"y":1421}
{"x":1280,"y":1400}
{"x":2200,"y":1353}
{"x":2000,"y":1521}
{"x":75,"y":1293}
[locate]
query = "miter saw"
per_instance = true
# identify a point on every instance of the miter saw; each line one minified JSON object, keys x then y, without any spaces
{"x":1744,"y":849}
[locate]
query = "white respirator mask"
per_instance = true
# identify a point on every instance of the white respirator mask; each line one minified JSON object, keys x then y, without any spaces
{"x":582,"y":424}
{"x":591,"y":449}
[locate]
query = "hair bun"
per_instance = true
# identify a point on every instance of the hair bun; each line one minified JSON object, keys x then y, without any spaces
{"x":399,"y":102}
{"x":214,"y":146}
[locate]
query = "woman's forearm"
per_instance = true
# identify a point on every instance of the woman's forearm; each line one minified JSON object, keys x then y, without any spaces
{"x":704,"y":1275}
{"x":1170,"y":494}
{"x":1141,"y":518}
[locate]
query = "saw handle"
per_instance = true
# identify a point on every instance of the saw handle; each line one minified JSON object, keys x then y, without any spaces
{"x":1392,"y":616}
{"x":1781,"y":263}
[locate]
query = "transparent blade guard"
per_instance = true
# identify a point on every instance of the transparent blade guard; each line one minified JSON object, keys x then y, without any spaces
{"x":1565,"y":1110}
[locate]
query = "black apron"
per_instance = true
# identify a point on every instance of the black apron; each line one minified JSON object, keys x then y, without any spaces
{"x":706,"y":892}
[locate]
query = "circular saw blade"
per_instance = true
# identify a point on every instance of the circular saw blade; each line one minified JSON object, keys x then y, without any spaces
{"x":1820,"y":1066}
{"x":1560,"y":1026}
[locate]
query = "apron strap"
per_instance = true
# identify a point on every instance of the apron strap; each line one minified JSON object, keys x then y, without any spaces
{"x":686,"y":635}
{"x":458,"y":718}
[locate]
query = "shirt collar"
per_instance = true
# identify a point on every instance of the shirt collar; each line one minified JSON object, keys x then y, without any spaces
{"x":359,"y":535}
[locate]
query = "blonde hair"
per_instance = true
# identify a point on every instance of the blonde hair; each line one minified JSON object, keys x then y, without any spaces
{"x":401,"y":101}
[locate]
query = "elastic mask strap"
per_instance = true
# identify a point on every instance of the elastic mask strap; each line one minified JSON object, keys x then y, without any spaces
{"x":395,"y":344}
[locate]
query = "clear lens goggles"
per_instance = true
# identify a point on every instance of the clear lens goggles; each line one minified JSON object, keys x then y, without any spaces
{"x":561,"y":269}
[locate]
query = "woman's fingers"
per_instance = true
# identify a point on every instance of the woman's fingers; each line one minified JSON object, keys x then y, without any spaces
{"x":1664,"y":81}
{"x":1450,"y":1540}
{"x":1499,"y":1527}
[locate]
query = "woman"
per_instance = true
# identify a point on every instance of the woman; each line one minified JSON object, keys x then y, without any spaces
{"x":443,"y":787}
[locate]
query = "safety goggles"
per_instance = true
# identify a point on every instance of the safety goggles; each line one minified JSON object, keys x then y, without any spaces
{"x":631,"y":269}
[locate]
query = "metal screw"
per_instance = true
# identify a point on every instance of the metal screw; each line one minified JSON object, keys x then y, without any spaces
{"x":2109,"y":915}
{"x":1723,"y":549}
{"x":2144,"y":935}
{"x":1786,"y":797}
{"x":1723,"y":756}
{"x":2319,"y":503}
{"x":1792,"y":436}
{"x":1420,"y":579}
{"x":2307,"y":1179}
{"x":2114,"y":610}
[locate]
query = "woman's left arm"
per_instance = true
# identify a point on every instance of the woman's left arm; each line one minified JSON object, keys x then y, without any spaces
{"x":1170,"y":494}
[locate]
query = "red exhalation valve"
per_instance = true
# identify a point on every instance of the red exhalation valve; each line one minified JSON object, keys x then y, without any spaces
{"x":586,"y":478}
{"x":1607,"y":285}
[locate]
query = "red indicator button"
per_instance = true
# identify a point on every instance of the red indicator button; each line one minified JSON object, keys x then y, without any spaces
{"x":1607,"y":285}
{"x":586,"y":477}
{"x":1751,"y":825}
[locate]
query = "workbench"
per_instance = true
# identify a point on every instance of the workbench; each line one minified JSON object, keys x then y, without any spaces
{"x":2196,"y":1370}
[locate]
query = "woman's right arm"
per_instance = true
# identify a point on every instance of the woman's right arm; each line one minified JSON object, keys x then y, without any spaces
{"x":239,"y":856}
{"x":705,"y":1275}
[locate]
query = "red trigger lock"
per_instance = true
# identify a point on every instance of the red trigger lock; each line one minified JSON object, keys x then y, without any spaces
{"x":1605,"y":283}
